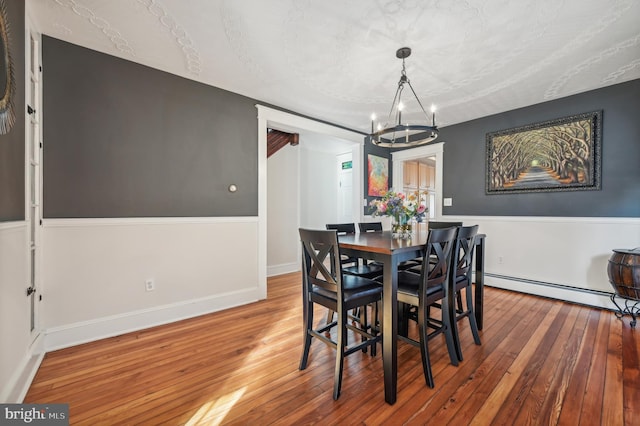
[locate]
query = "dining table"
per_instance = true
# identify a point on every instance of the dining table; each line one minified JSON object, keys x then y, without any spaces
{"x":383,"y":247}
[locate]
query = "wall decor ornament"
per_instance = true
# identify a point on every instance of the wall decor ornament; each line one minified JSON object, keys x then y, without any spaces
{"x":378,"y":172}
{"x":557,"y":155}
{"x":7,"y":77}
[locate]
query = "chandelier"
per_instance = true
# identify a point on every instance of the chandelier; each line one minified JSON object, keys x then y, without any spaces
{"x":395,"y":134}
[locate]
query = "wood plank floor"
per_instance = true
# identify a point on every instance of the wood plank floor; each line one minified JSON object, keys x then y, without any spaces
{"x":541,"y":362}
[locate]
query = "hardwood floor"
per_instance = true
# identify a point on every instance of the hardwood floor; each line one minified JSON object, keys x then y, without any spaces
{"x":541,"y":362}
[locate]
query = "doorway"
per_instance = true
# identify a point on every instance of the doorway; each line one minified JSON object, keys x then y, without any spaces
{"x":430,"y":158}
{"x":345,"y":188}
{"x":272,"y":118}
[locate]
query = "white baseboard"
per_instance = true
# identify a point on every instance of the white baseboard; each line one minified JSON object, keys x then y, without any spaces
{"x":554,"y":291}
{"x":16,"y":388}
{"x":284,"y":268}
{"x":101,"y":328}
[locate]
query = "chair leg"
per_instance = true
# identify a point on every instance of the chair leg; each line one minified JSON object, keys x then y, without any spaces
{"x":423,"y":331}
{"x":472,"y":316}
{"x":403,"y":319}
{"x":340,"y":347}
{"x":330,"y":314}
{"x":308,"y":325}
{"x":375,"y":323}
{"x":448,"y":325}
{"x":363,"y":323}
{"x":453,"y":321}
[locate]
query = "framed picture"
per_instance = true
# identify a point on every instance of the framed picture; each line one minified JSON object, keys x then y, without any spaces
{"x":378,"y":168}
{"x":7,"y":80}
{"x":556,"y":155}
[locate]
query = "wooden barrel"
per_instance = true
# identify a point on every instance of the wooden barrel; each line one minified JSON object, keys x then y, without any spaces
{"x":624,"y":272}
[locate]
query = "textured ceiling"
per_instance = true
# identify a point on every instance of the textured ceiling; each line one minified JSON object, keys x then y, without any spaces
{"x":335,"y":59}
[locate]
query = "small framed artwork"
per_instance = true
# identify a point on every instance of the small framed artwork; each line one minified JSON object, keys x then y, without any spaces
{"x":556,"y":155}
{"x":378,"y":168}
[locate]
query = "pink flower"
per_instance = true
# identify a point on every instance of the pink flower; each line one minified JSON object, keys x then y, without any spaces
{"x":421,"y":208}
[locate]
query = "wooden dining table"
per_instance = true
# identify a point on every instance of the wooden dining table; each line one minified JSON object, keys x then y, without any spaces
{"x":383,"y":248}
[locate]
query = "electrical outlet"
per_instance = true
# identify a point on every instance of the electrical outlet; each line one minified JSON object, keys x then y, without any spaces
{"x":500,"y":260}
{"x":149,"y":285}
{"x":448,"y":202}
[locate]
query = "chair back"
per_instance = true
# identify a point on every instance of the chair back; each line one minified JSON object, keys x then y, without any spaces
{"x":370,"y":226}
{"x":437,"y":258}
{"x":462,"y":257}
{"x":440,"y":225}
{"x":320,"y":250}
{"x":343,"y":228}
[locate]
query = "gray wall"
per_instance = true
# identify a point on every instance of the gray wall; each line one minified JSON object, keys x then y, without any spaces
{"x":12,"y":144}
{"x":465,"y":160}
{"x":125,"y":140}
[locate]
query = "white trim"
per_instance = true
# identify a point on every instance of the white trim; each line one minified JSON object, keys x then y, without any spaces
{"x":560,"y":293}
{"x":135,"y":221}
{"x":16,"y":388}
{"x":13,"y":225}
{"x":114,"y":325}
{"x":284,"y":268}
{"x":286,"y":120}
{"x":432,"y":150}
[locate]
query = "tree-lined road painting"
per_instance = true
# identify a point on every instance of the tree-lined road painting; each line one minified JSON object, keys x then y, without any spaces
{"x":552,"y":155}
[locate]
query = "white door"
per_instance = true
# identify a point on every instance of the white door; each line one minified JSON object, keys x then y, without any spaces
{"x":345,"y":188}
{"x":34,"y":183}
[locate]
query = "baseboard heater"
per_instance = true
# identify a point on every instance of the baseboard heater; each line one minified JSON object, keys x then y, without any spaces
{"x":546,"y":284}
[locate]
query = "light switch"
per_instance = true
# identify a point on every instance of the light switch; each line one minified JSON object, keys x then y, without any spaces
{"x":448,"y":202}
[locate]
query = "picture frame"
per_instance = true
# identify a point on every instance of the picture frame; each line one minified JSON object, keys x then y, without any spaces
{"x":556,"y":155}
{"x":7,"y":74}
{"x":378,"y":175}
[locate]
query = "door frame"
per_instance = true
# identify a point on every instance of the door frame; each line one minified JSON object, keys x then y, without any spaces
{"x":340,"y":158}
{"x":33,"y":172}
{"x":431,"y":150}
{"x":269,"y":117}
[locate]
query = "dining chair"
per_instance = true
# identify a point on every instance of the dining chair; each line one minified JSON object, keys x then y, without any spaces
{"x":424,"y":289}
{"x":370,"y":226}
{"x":461,"y":279}
{"x":377,"y":227}
{"x":339,"y":292}
{"x":342,"y":229}
{"x":441,"y":225}
{"x":353,"y":265}
{"x":358,"y":267}
{"x":416,"y":267}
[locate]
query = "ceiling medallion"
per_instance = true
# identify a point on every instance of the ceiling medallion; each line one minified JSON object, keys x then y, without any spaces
{"x":401,"y":135}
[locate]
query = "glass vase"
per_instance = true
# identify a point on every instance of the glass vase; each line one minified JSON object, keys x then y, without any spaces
{"x":401,"y":226}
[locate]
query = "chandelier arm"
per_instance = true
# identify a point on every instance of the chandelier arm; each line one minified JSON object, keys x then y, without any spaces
{"x":395,"y":98}
{"x":417,"y":99}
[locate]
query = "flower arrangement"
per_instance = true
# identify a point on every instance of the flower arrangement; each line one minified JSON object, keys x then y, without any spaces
{"x":402,"y":208}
